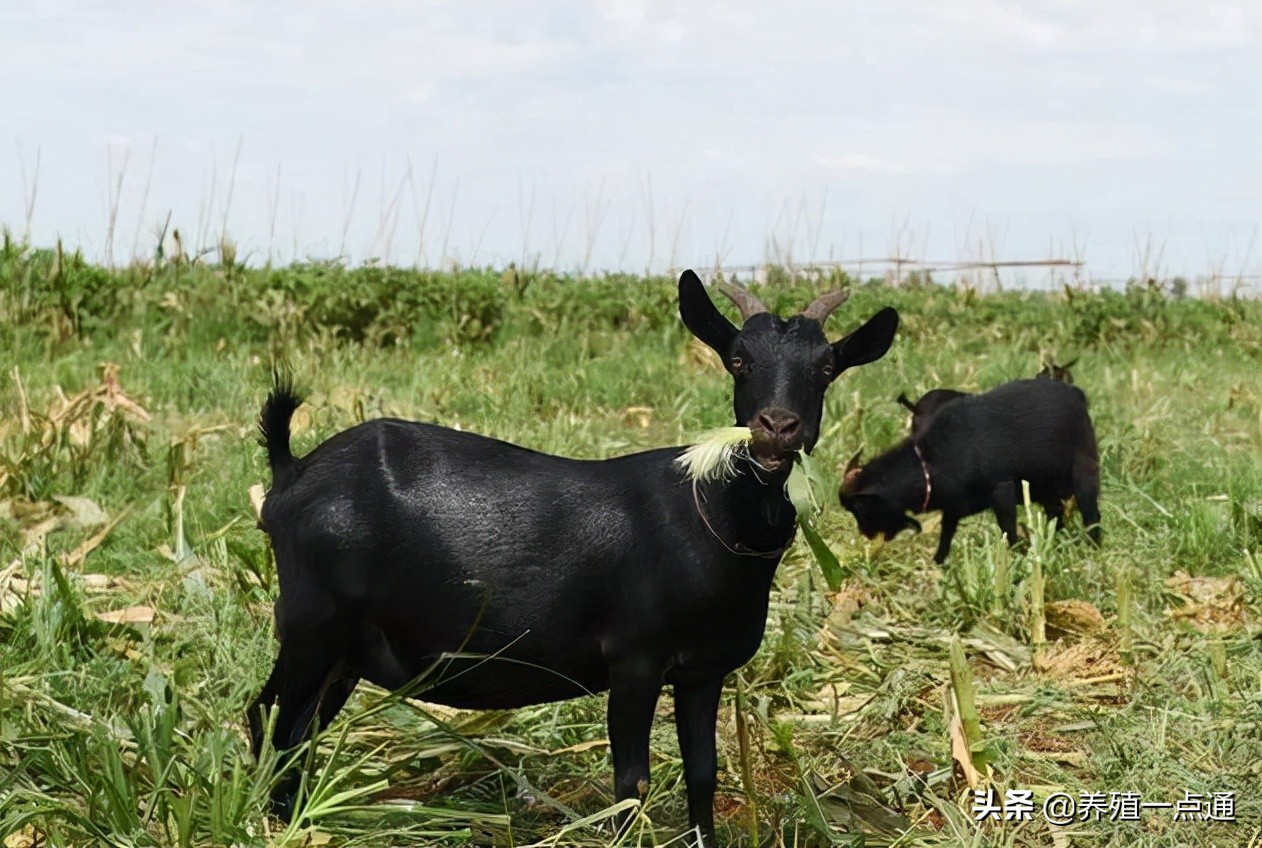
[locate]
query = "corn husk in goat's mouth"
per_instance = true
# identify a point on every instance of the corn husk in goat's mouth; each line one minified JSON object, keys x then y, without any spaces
{"x":714,"y":457}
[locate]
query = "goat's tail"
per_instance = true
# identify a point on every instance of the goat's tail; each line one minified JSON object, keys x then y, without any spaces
{"x":278,"y":409}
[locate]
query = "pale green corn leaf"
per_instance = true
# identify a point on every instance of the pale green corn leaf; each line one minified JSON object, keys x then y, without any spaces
{"x":805,"y":484}
{"x":824,"y":557}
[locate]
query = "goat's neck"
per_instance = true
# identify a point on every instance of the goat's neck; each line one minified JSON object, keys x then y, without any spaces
{"x":907,"y":480}
{"x":898,"y":477}
{"x":752,"y":509}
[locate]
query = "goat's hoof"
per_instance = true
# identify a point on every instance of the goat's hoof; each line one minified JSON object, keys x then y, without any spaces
{"x":703,"y":839}
{"x":283,"y":808}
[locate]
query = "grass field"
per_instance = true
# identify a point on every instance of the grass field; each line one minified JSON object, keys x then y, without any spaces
{"x":136,"y":591}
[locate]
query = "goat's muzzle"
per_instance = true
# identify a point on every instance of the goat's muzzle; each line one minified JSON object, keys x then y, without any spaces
{"x":777,"y":435}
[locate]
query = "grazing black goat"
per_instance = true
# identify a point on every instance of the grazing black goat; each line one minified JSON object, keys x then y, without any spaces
{"x":934,"y":399}
{"x":973,"y":454}
{"x":483,"y":575}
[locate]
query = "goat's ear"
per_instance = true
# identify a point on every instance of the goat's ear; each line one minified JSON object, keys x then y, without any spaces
{"x":905,"y":401}
{"x":702,"y":317}
{"x":868,"y":343}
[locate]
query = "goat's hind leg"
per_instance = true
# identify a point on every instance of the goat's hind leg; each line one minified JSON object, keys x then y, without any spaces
{"x":633,"y":692}
{"x":1054,"y":509}
{"x":1003,"y":500}
{"x":256,"y":715}
{"x":309,"y":684}
{"x":1086,"y":483}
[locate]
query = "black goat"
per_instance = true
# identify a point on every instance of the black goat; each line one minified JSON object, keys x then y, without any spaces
{"x":973,"y":454}
{"x":934,"y":399}
{"x":483,"y":575}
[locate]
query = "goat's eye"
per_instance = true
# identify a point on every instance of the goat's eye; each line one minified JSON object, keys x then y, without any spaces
{"x":737,"y":363}
{"x":827,"y":369}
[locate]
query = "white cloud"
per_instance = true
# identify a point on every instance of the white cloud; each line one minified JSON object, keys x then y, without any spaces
{"x":850,"y":162}
{"x":1175,"y":85}
{"x":1158,"y":27}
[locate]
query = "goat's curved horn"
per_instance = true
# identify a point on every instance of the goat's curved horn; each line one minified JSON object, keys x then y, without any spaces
{"x":851,"y":475}
{"x":744,"y":300}
{"x":824,"y":305}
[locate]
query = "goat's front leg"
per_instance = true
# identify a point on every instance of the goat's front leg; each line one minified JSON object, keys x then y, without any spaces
{"x":696,"y":712}
{"x":950,"y":521}
{"x":633,"y":691}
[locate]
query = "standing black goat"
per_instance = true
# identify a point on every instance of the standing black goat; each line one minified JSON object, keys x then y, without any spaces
{"x":487,"y":576}
{"x":934,"y":399}
{"x":973,"y":454}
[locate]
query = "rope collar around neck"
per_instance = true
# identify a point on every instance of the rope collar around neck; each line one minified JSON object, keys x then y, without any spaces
{"x":739,"y":548}
{"x":924,"y":469}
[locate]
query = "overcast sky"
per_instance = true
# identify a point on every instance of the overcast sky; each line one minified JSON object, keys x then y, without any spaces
{"x":637,"y":134}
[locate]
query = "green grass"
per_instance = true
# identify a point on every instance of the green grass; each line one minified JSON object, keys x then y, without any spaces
{"x":131,"y":733}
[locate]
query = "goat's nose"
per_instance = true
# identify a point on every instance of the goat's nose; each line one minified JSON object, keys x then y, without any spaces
{"x":781,"y":423}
